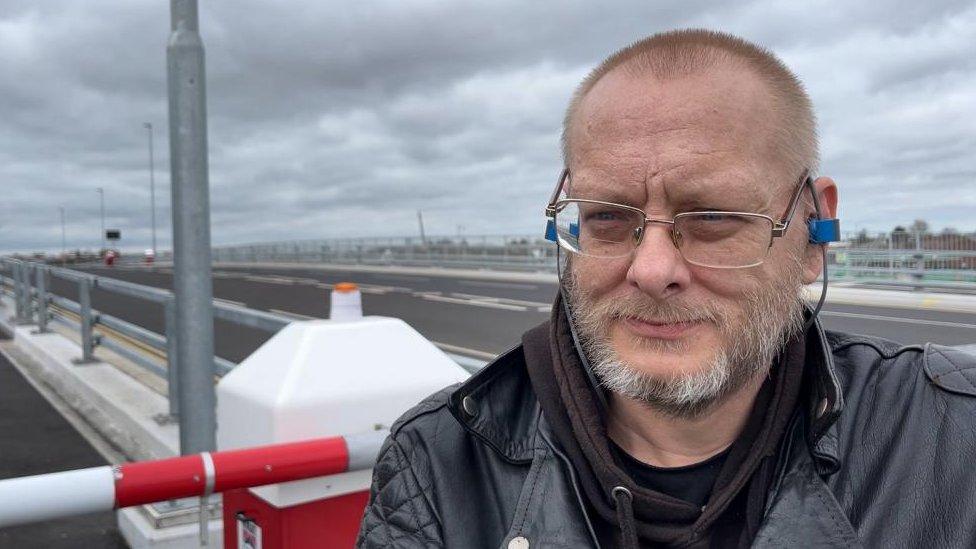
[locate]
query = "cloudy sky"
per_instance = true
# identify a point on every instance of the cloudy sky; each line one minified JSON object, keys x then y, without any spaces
{"x":331,"y":119}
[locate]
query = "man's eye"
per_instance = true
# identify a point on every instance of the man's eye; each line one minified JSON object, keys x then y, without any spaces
{"x":605,"y":216}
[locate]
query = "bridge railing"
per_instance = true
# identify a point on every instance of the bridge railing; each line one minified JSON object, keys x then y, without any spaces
{"x":896,"y":258}
{"x":29,"y":284}
{"x":946,"y":260}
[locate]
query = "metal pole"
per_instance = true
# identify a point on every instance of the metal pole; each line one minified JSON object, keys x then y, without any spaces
{"x":191,"y":229}
{"x":101,"y":195}
{"x":152,"y":185}
{"x":63,"y":240}
{"x":41,"y":300}
{"x":86,"y":321}
{"x":172,"y":371}
{"x":891,"y":255}
{"x":420,"y":220}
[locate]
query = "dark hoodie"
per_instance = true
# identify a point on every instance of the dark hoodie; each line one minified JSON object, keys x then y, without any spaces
{"x":628,"y":515}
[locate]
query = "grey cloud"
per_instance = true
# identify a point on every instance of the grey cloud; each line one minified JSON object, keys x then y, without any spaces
{"x":342,"y":120}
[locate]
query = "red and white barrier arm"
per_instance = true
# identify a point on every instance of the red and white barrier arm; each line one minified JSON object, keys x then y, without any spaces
{"x":53,"y":495}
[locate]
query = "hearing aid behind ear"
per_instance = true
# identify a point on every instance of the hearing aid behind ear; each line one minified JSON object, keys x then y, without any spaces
{"x":823,"y":231}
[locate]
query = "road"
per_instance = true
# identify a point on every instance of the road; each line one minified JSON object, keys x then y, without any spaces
{"x":37,"y":439}
{"x":479,"y":317}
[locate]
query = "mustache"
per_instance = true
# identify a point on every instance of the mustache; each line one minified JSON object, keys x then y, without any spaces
{"x":640,"y":307}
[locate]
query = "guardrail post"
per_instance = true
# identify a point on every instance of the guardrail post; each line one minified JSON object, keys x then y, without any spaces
{"x":18,"y":301}
{"x":22,"y":315}
{"x":86,"y":321}
{"x":172,"y":370}
{"x":26,"y":315}
{"x":42,"y":298}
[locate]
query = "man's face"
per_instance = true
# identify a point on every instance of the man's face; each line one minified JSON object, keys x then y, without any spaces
{"x":656,"y":328}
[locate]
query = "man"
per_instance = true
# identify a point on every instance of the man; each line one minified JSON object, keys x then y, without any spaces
{"x":682,"y":394}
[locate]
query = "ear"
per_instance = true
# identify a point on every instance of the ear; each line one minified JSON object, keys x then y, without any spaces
{"x":826,"y":191}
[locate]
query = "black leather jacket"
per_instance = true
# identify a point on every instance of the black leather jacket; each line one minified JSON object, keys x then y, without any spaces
{"x":883,"y":454}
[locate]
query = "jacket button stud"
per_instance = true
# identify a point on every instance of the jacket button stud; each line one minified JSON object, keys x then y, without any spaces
{"x":471,"y":408}
{"x":823,"y":408}
{"x":518,"y":542}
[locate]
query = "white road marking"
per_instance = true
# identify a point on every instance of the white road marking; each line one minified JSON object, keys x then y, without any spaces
{"x":374,"y":289}
{"x":422,"y":294}
{"x":270,"y":280}
{"x":506,"y":285}
{"x":488,"y":304}
{"x":230,"y":302}
{"x":464,"y":350}
{"x":405,"y":278}
{"x":921,"y":321}
{"x":501,"y":300}
{"x":301,"y":280}
{"x":299,"y":316}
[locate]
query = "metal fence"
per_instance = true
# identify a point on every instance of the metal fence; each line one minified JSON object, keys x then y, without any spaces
{"x":518,"y":252}
{"x":946,"y":259}
{"x":29,"y":285}
{"x":898,"y":258}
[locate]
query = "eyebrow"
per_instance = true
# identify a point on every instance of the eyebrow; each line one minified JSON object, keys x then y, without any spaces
{"x":711,"y":192}
{"x":628,"y":195}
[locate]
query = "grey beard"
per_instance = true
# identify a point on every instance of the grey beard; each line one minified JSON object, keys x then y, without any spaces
{"x":770,"y":318}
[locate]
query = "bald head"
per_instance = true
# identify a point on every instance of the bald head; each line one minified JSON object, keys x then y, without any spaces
{"x":785,"y":113}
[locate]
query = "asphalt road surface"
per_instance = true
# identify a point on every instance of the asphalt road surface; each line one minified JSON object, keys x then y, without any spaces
{"x":35,"y":439}
{"x":481,"y":316}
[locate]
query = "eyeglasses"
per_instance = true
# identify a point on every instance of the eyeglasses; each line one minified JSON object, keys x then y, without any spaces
{"x":716,"y":239}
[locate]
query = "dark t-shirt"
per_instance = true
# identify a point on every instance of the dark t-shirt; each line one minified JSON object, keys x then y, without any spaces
{"x":692,"y":483}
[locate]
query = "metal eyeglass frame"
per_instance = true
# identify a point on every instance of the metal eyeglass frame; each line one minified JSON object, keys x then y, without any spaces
{"x":778,"y":228}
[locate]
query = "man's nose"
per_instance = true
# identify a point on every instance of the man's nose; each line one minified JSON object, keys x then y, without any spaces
{"x":658,"y":269}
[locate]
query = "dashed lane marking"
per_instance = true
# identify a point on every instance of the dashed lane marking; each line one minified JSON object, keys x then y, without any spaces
{"x":475,"y":353}
{"x":230,"y":302}
{"x":507,"y":300}
{"x":505,"y":285}
{"x":298,"y":316}
{"x":476,"y":303}
{"x":921,"y":321}
{"x":270,"y":280}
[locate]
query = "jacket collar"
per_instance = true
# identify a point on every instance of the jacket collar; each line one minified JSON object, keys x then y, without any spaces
{"x":498,"y":406}
{"x":825,"y":401}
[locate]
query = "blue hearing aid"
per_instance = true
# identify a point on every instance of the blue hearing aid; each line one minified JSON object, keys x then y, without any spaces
{"x":824,"y":231}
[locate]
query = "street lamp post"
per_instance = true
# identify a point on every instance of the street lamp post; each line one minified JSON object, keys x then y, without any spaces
{"x":152,"y":185}
{"x":101,"y":196}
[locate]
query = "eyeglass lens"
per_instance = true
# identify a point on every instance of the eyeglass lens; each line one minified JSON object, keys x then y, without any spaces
{"x":712,"y":239}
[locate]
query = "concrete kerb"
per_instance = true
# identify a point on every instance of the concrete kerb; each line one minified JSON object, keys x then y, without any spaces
{"x":116,"y":406}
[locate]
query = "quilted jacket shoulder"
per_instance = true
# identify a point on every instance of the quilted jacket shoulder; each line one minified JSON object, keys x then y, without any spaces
{"x":399,"y":513}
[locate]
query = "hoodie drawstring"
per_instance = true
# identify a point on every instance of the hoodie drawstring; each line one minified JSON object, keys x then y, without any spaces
{"x":624,"y":503}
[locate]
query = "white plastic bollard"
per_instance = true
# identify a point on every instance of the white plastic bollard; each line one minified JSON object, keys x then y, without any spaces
{"x":347,"y":302}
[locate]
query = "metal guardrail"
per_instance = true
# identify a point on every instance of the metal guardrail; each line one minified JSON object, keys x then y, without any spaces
{"x":28,"y":283}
